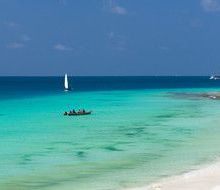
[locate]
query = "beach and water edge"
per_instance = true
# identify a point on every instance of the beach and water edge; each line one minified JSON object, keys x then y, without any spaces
{"x":154,"y":136}
{"x":205,"y":178}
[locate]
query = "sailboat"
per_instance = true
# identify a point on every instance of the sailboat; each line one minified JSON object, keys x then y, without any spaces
{"x":66,"y":84}
{"x":214,"y":77}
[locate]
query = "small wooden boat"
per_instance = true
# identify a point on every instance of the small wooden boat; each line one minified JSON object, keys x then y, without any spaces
{"x":78,"y":113}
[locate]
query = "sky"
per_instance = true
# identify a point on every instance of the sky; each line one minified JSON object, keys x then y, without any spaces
{"x":109,"y":37}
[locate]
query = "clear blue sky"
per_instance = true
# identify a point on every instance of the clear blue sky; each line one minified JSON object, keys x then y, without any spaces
{"x":109,"y":37}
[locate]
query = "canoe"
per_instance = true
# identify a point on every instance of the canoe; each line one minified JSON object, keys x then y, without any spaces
{"x":78,"y":113}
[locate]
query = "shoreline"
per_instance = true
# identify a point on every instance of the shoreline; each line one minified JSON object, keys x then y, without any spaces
{"x":206,"y":178}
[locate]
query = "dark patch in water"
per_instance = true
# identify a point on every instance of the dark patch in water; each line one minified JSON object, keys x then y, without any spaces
{"x":135,"y":131}
{"x":112,"y":148}
{"x":130,"y":134}
{"x":50,"y":148}
{"x":81,"y":154}
{"x":192,"y":96}
{"x":193,"y":111}
{"x":173,"y":113}
{"x":195,"y":96}
{"x":25,"y":159}
{"x":167,"y":115}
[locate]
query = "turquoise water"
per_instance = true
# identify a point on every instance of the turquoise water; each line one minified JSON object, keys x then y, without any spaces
{"x":134,"y":137}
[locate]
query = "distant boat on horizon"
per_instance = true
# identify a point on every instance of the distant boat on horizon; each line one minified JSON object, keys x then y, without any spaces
{"x":67,"y":87}
{"x":214,"y":77}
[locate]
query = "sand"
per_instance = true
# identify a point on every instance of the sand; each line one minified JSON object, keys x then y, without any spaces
{"x":207,"y":178}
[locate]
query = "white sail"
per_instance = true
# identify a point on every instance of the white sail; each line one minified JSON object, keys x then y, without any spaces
{"x":66,"y":85}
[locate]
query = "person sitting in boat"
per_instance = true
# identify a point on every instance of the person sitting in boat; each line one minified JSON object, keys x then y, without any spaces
{"x":65,"y":113}
{"x":80,"y":111}
{"x":73,"y":111}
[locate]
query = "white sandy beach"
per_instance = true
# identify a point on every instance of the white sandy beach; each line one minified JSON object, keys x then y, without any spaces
{"x":207,"y":178}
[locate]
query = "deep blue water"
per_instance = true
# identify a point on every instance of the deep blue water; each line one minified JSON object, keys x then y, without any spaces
{"x":29,"y":86}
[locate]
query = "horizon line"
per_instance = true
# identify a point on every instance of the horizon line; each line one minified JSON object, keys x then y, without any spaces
{"x":105,"y":75}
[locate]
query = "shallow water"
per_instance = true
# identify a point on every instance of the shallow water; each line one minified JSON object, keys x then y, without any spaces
{"x":134,"y":136}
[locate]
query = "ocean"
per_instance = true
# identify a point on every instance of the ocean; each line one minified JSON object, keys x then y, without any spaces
{"x":141,"y":129}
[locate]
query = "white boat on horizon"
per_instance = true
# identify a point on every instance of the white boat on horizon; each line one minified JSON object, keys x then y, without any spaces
{"x":214,"y":77}
{"x":67,"y":87}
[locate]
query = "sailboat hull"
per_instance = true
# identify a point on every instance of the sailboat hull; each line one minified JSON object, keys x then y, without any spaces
{"x":69,"y":89}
